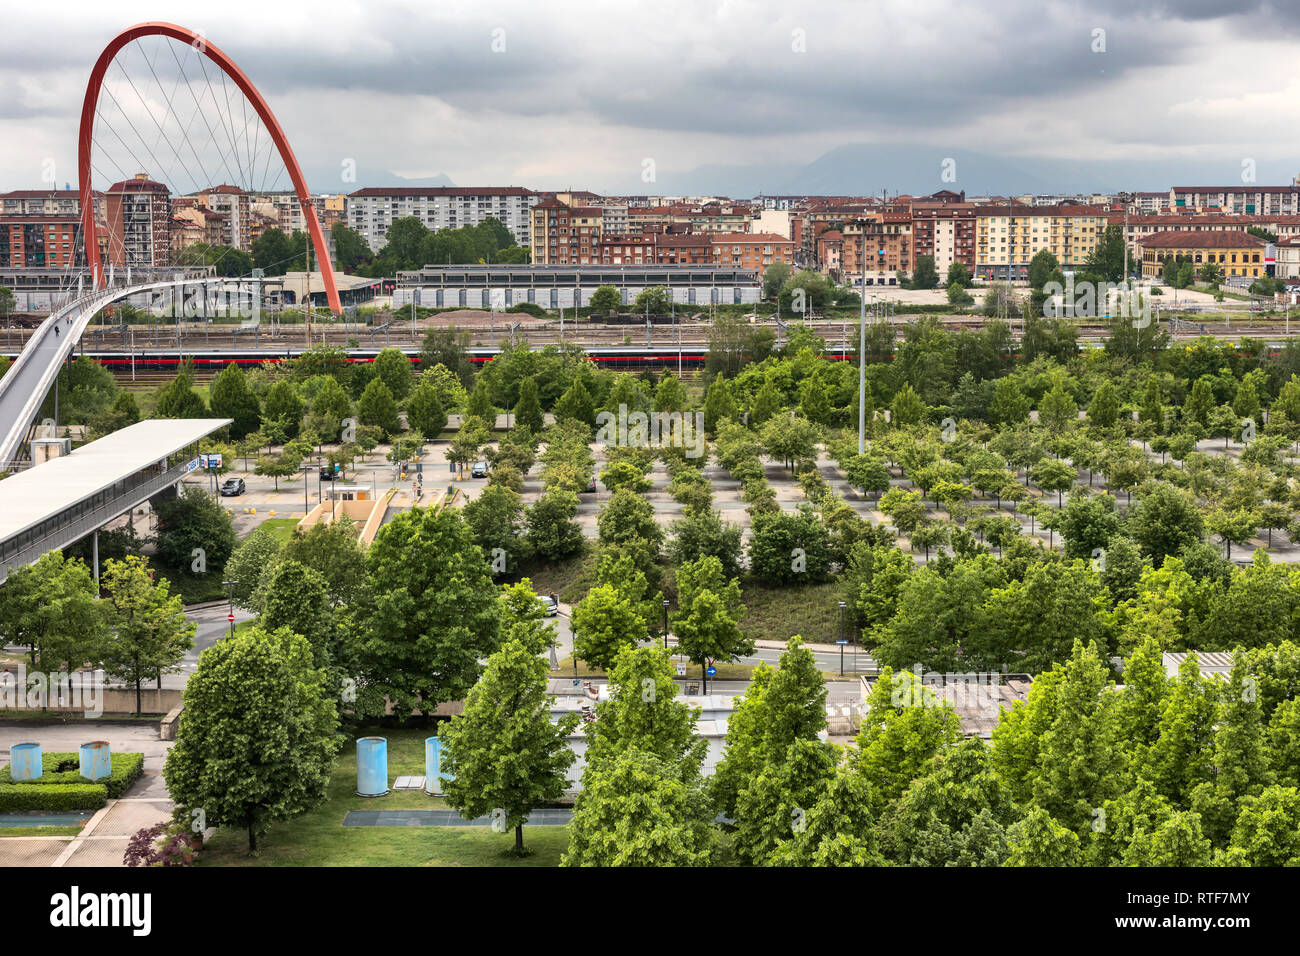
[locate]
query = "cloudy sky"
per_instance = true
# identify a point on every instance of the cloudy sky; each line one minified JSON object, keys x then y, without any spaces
{"x":731,"y":96}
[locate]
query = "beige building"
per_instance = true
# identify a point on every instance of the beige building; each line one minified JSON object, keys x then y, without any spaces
{"x":1007,"y":237}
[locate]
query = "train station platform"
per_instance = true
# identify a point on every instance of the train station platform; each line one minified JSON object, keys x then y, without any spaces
{"x":57,"y":502}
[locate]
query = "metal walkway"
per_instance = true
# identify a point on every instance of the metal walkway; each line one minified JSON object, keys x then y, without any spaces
{"x":30,"y":378}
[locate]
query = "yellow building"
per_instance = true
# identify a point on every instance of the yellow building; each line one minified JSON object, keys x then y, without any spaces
{"x":1235,"y":253}
{"x":1008,"y":237}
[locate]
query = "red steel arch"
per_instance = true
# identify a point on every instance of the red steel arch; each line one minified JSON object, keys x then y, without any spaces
{"x":227,"y":65}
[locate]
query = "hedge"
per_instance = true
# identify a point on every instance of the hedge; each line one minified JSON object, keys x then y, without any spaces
{"x":127,"y":769}
{"x":59,"y":797}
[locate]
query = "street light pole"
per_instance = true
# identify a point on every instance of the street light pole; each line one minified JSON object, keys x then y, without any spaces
{"x":862,"y":346}
{"x":665,"y":624}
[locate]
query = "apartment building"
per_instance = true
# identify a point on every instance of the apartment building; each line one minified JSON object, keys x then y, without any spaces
{"x":193,"y":223}
{"x":747,"y":250}
{"x":371,"y":211}
{"x":237,"y":208}
{"x":620,"y":250}
{"x":1288,"y":259}
{"x":137,"y":214}
{"x":945,"y":231}
{"x":1009,"y":236}
{"x":1236,"y":253}
{"x":674,"y":248}
{"x":41,"y":228}
{"x":1138,"y":227}
{"x":565,"y":234}
{"x":1246,"y":199}
{"x":887,"y":240}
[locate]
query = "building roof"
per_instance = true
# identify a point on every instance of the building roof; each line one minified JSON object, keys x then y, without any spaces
{"x":1241,"y":188}
{"x":43,"y":194}
{"x":1186,"y":219}
{"x":1201,"y":239}
{"x":29,"y":497}
{"x":1210,"y":662}
{"x":723,"y":238}
{"x":1022,"y":211}
{"x":396,"y":192}
{"x":138,"y":185}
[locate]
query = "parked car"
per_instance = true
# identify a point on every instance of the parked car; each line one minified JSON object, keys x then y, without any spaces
{"x":232,"y":487}
{"x":591,"y":487}
{"x":552,"y":603}
{"x":327,"y":473}
{"x":479,"y":470}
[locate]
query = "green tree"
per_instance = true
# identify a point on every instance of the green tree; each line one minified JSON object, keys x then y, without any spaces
{"x":1103,"y":410}
{"x":431,"y":614}
{"x":150,"y":631}
{"x":257,"y":736}
{"x":378,"y":408}
{"x":50,"y":608}
{"x":195,"y":534}
{"x":606,"y":299}
{"x":425,"y":412}
{"x":709,"y":611}
{"x":232,"y":398}
{"x":552,"y":532}
{"x":177,"y":399}
{"x":504,"y":754}
{"x":605,"y":622}
{"x":528,"y":410}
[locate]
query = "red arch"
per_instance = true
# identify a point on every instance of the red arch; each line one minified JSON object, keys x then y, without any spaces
{"x":246,"y":86}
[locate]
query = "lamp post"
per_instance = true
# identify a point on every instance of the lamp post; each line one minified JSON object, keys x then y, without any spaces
{"x":230,"y":588}
{"x":665,"y":624}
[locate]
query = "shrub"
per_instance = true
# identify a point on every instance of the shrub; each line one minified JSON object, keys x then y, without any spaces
{"x":62,"y":769}
{"x":53,"y":798}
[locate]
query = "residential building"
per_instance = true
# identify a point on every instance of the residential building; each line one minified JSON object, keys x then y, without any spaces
{"x":888,"y":242}
{"x":1288,"y":259}
{"x":41,"y":228}
{"x":746,"y":250}
{"x":138,"y":216}
{"x":236,"y":206}
{"x":618,"y":250}
{"x":1246,"y":199}
{"x":674,"y":248}
{"x":1008,"y":236}
{"x":1236,"y":253}
{"x":946,"y":231}
{"x":565,"y":233}
{"x":371,"y":211}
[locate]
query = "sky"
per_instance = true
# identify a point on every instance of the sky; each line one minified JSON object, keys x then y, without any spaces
{"x":700,"y":96}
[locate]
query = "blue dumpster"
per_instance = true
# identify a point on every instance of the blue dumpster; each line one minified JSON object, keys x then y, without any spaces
{"x":25,"y":762}
{"x":372,"y":766}
{"x":96,"y":760}
{"x":434,"y":775}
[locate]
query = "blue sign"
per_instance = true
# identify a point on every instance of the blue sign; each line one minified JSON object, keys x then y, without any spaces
{"x":712,"y":671}
{"x":841,"y":642}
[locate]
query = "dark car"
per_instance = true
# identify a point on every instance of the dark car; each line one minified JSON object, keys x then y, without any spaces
{"x":327,"y":473}
{"x":591,"y":487}
{"x":232,"y":487}
{"x":479,"y":470}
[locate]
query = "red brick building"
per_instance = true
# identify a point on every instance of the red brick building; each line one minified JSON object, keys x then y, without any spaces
{"x":751,"y":250}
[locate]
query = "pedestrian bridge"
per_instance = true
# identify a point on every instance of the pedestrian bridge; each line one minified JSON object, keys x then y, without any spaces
{"x":53,"y":504}
{"x":24,"y":387}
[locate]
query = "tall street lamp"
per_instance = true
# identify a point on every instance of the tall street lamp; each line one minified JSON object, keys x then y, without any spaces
{"x":665,"y":624}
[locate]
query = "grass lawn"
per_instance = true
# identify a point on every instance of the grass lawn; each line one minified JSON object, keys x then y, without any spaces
{"x":280,"y":528}
{"x":38,"y":831}
{"x":193,"y":589}
{"x":777,"y":614}
{"x":570,"y":579}
{"x":319,"y":838}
